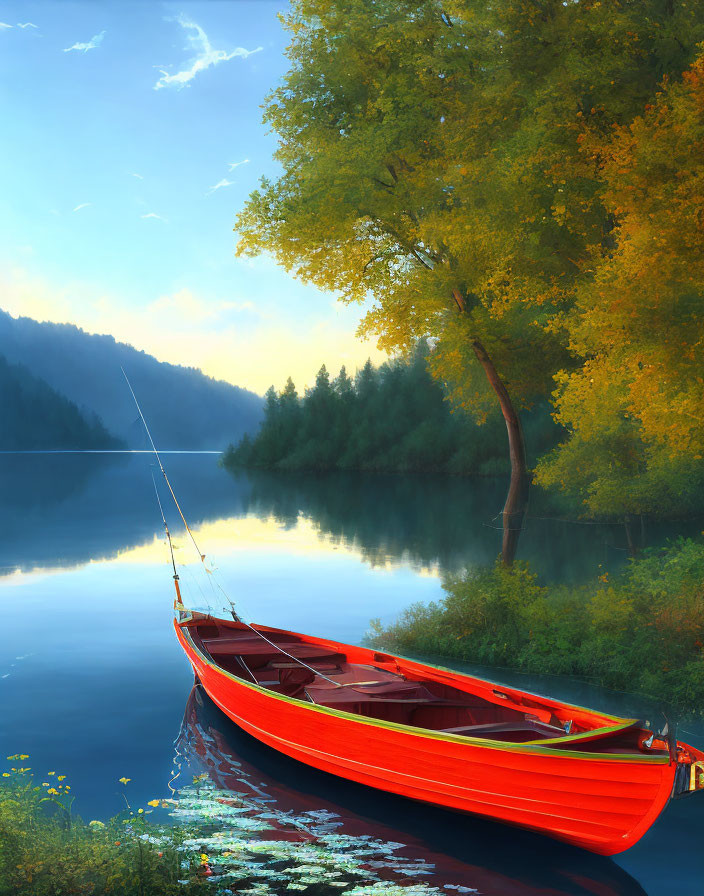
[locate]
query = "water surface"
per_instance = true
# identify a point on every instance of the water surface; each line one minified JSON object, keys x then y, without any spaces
{"x":94,"y":685}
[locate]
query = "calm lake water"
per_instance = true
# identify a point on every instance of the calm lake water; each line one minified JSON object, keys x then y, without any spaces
{"x":94,"y":685}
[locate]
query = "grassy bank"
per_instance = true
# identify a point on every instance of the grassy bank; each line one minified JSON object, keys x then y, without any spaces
{"x":45,"y":850}
{"x":641,"y":632}
{"x":216,"y":841}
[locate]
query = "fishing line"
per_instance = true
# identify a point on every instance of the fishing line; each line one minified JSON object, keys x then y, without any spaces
{"x":202,"y":556}
{"x":171,"y":545}
{"x":163,"y":471}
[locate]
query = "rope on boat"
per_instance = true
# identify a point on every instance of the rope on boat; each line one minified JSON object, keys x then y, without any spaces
{"x":296,"y":659}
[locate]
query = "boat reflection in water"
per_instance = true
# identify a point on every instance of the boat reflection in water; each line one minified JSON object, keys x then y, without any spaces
{"x":275,"y":825}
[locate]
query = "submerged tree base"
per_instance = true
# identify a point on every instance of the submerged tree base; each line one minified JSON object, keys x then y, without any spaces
{"x":643,"y":632}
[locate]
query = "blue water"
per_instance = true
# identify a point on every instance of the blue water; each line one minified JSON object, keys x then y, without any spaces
{"x":93,"y":684}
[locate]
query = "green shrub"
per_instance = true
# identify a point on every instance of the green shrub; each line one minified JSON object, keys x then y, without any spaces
{"x":46,"y":851}
{"x":642,"y":632}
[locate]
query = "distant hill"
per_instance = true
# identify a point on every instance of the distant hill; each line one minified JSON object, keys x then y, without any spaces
{"x":34,"y":416}
{"x":185,"y":408}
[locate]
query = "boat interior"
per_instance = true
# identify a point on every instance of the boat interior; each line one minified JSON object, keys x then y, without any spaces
{"x":384,"y":688}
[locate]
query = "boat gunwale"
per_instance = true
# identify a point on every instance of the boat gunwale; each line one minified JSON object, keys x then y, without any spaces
{"x":529,"y":747}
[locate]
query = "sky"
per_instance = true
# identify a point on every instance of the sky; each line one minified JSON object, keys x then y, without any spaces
{"x":131,"y":137}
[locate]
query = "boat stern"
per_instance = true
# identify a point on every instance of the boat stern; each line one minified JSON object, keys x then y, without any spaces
{"x":689,"y":777}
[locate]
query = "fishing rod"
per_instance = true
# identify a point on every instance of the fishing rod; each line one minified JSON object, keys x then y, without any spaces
{"x":179,"y":603}
{"x":201,"y":555}
{"x":163,"y":471}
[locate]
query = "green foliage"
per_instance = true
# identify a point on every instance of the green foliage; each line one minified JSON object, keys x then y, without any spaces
{"x":45,"y":851}
{"x":643,"y":632}
{"x":633,"y":408}
{"x":431,"y":147}
{"x":34,"y":416}
{"x":392,"y":419}
{"x":614,"y":472}
{"x":534,"y":164}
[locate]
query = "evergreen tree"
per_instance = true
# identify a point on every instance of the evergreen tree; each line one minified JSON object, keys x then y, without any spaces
{"x":389,"y":419}
{"x":34,"y":416}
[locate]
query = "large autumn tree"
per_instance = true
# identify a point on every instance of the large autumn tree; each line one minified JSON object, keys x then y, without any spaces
{"x":432,"y":164}
{"x":635,"y":406}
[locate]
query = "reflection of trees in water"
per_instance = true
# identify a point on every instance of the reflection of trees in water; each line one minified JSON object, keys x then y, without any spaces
{"x":269,"y":822}
{"x":429,"y":518}
{"x":452,"y":522}
{"x":63,"y":510}
{"x":38,"y":481}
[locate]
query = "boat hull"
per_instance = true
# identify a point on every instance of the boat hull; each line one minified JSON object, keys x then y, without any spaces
{"x":600,"y":802}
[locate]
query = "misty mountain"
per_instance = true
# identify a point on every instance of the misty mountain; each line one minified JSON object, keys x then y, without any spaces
{"x":185,"y":408}
{"x":34,"y":416}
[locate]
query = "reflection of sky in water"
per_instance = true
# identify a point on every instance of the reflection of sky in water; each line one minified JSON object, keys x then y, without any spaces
{"x":87,"y":651}
{"x":93,"y":682}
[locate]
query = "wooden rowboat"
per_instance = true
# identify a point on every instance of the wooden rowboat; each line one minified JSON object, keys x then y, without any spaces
{"x":441,"y":737}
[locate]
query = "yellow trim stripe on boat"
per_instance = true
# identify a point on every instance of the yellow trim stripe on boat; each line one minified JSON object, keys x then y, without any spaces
{"x":530,"y":747}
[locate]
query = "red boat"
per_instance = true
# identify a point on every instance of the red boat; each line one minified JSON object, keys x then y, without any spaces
{"x":298,"y":805}
{"x":441,"y":737}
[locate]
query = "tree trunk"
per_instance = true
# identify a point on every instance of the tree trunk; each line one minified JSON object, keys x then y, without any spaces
{"x":632,"y":549}
{"x":517,"y":497}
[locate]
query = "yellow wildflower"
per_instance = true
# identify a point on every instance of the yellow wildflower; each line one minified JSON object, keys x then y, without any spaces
{"x":124,"y":780}
{"x":153,"y":803}
{"x":61,"y":777}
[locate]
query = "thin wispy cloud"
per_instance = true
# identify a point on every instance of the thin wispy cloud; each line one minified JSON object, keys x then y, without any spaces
{"x":82,"y":205}
{"x":234,"y":165}
{"x":205,"y":57}
{"x":138,"y":176}
{"x":94,"y":42}
{"x":153,"y":215}
{"x":219,"y":185}
{"x":4,"y":26}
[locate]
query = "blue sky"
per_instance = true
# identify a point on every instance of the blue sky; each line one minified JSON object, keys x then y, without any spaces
{"x":132,"y":135}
